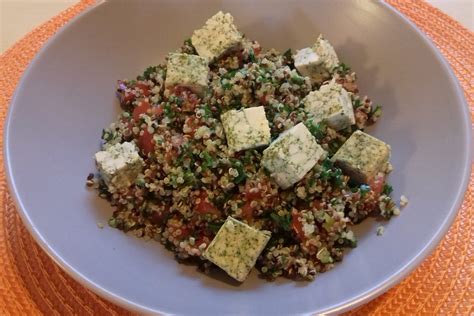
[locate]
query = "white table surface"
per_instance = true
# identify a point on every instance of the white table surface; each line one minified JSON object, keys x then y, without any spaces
{"x":18,"y":17}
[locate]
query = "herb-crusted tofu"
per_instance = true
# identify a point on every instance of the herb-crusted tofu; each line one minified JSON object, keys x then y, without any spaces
{"x":362,"y":156}
{"x":331,"y":103}
{"x":217,"y":36}
{"x":246,"y":128}
{"x":305,"y":60}
{"x":119,"y":165}
{"x":187,"y":70}
{"x":317,"y":62}
{"x":292,"y":155}
{"x":236,"y":247}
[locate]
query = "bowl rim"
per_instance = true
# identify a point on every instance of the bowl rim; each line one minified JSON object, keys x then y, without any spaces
{"x":358,"y":300}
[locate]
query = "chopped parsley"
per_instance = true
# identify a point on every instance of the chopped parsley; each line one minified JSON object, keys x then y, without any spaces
{"x":230,"y":74}
{"x":148,"y":72}
{"x":347,"y":240}
{"x":237,"y":164}
{"x":252,"y":56}
{"x":214,"y":227}
{"x":283,"y":222}
{"x":168,"y":110}
{"x":343,"y":69}
{"x":297,"y":80}
{"x":226,"y":86}
{"x":175,"y":99}
{"x":387,"y":189}
{"x":317,"y":130}
{"x":185,"y":152}
{"x":331,"y":174}
{"x":377,"y":111}
{"x":207,"y":110}
{"x":107,"y":135}
{"x":208,"y":161}
{"x":188,"y":42}
{"x":356,"y":103}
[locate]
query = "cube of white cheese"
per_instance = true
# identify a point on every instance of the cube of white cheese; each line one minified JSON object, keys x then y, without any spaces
{"x":317,"y":62}
{"x":331,"y":103}
{"x":305,"y":60}
{"x":119,"y":165}
{"x":187,"y":70}
{"x":362,"y":156}
{"x":236,"y":247}
{"x":217,"y":36}
{"x":246,"y":128}
{"x":292,"y":155}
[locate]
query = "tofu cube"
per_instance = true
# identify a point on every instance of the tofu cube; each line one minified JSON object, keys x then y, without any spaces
{"x":236,"y":247}
{"x":119,"y":165}
{"x":190,"y":71}
{"x":292,"y":155}
{"x":305,"y":60}
{"x":246,"y":128}
{"x":317,"y":62}
{"x":331,"y":103}
{"x":217,"y":36}
{"x":362,"y":156}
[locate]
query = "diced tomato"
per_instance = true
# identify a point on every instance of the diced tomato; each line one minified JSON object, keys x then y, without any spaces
{"x":142,"y":108}
{"x":126,"y":98}
{"x":158,"y":217}
{"x":177,"y":224}
{"x":240,"y":57}
{"x":172,"y":153}
{"x":185,"y":232}
{"x":191,"y":123}
{"x":201,"y":240}
{"x":257,"y":50}
{"x":179,"y":90}
{"x":123,"y":93}
{"x":316,"y":204}
{"x":157,"y":110}
{"x":297,"y":225}
{"x":376,"y":184}
{"x":253,"y":194}
{"x":250,"y":194}
{"x":190,"y":99}
{"x":146,"y":142}
{"x":247,"y":211}
{"x":170,"y":156}
{"x":204,"y":206}
{"x":144,"y":88}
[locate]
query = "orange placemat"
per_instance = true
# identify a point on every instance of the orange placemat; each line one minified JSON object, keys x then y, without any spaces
{"x":31,"y":283}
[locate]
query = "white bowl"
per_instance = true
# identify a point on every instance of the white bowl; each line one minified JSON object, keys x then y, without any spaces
{"x":67,"y":96}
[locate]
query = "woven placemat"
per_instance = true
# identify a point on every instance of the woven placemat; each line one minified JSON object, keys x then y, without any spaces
{"x":32,"y":284}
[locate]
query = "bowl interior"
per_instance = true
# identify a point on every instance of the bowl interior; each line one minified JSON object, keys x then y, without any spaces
{"x":67,"y":96}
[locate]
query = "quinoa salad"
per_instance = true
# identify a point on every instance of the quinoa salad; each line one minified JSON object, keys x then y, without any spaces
{"x":236,"y":157}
